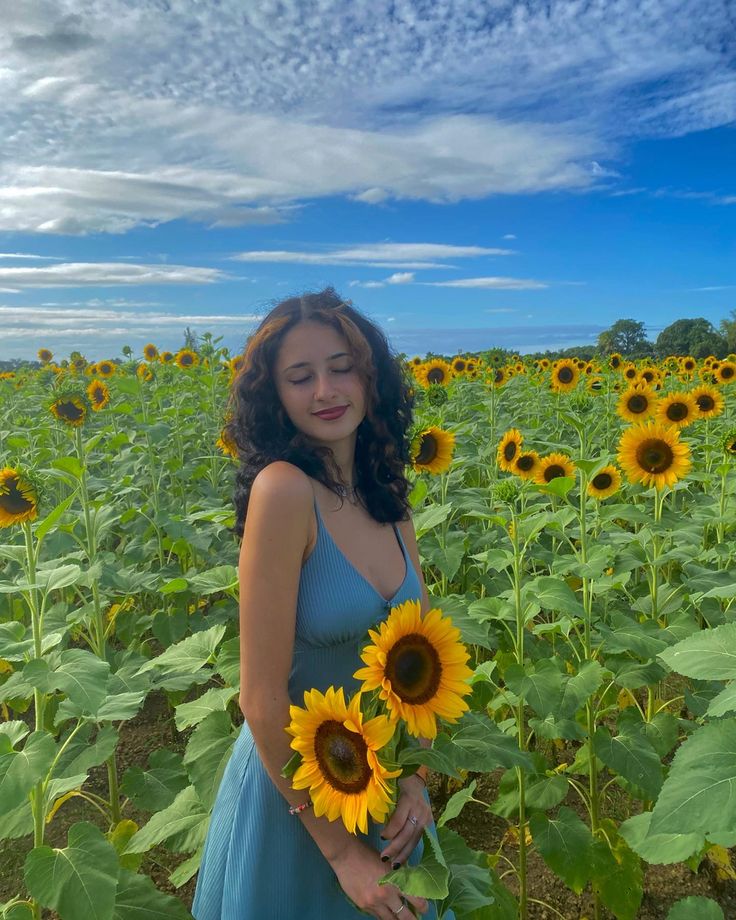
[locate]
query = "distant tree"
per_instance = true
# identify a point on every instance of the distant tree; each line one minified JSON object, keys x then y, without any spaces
{"x":190,"y":339}
{"x":728,"y":331}
{"x":695,"y":337}
{"x":626,"y":336}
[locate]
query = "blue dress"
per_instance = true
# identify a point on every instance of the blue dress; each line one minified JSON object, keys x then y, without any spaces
{"x":259,"y":862}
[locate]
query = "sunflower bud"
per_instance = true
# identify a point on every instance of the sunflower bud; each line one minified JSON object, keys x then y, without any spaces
{"x":506,"y":491}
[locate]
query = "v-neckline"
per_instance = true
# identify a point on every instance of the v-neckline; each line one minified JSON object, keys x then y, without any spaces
{"x":386,"y":600}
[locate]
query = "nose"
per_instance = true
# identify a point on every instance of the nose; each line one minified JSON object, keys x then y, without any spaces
{"x":324,"y":386}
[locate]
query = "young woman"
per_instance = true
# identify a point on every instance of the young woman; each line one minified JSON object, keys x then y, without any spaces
{"x":321,"y":413}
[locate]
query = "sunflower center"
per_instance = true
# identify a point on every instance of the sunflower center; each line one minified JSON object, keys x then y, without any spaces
{"x":436,"y":375}
{"x":705,"y":402}
{"x":525,"y":463}
{"x":553,"y":471}
{"x":637,"y":403}
{"x":731,"y":447}
{"x":414,"y":669}
{"x":676,"y":411}
{"x":565,"y":374}
{"x":13,"y":501}
{"x":342,"y":756}
{"x":69,"y":410}
{"x":509,"y":451}
{"x":498,"y":377}
{"x":654,"y":455}
{"x":427,"y":449}
{"x":602,"y":481}
{"x":186,"y":359}
{"x":727,"y":373}
{"x":459,"y":365}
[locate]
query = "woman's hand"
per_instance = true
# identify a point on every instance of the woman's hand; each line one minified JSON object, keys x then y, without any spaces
{"x":358,"y":870}
{"x":403,"y":832}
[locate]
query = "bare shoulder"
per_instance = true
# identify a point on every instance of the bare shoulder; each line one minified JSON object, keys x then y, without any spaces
{"x":281,"y":480}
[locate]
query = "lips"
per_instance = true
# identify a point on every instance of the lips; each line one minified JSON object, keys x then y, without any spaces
{"x":336,"y":412}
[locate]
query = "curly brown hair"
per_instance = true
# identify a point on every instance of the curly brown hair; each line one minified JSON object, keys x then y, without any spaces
{"x":263,"y":433}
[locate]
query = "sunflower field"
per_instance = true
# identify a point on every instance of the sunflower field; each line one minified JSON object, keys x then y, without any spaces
{"x":575,"y":523}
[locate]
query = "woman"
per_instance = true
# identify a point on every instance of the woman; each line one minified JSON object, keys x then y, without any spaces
{"x":321,"y":413}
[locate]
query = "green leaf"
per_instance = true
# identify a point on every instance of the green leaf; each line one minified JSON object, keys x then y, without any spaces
{"x":707,"y":655}
{"x":83,"y":677}
{"x":724,"y":703}
{"x":632,"y":757}
{"x":155,"y":788}
{"x":213,"y":700}
{"x":430,"y":517}
{"x":186,"y":819}
{"x":480,"y":745}
{"x":539,"y":684}
{"x":658,"y":849}
{"x":428,"y":879}
{"x":566,"y":845}
{"x":559,"y":486}
{"x":617,"y":875}
{"x":69,"y":465}
{"x":473,"y":885}
{"x":79,"y":882}
{"x":542,"y":792}
{"x":21,"y":770}
{"x":190,"y":654}
{"x":44,"y":526}
{"x":456,"y":803}
{"x":698,"y":794}
{"x":208,"y":752}
{"x":137,"y":898}
{"x":553,"y":594}
{"x":695,"y":907}
{"x":221,"y":578}
{"x":579,"y":688}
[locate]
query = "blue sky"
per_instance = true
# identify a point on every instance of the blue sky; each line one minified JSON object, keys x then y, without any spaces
{"x":470,"y":174}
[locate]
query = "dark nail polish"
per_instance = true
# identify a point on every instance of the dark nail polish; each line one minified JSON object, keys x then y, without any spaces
{"x":396,"y":865}
{"x":384,"y":859}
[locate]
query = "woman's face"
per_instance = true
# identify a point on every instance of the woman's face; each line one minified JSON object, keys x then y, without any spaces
{"x":315,"y":371}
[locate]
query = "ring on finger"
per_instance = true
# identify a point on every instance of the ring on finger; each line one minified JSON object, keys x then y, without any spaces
{"x":413,"y":820}
{"x":400,"y":909}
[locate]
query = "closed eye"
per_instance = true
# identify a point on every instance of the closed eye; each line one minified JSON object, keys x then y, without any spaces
{"x":345,"y":370}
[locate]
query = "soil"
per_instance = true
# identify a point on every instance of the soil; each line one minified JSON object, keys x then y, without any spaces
{"x":153,"y":728}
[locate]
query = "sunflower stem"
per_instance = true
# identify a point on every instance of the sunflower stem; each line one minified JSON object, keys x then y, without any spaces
{"x":520,"y":723}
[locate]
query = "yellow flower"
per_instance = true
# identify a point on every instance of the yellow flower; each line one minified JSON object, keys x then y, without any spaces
{"x":98,"y":394}
{"x":72,"y":410}
{"x":227,"y":444}
{"x":105,"y":368}
{"x":340,"y":764}
{"x":150,"y":352}
{"x":636,"y":403}
{"x":419,"y":664}
{"x":565,"y":375}
{"x":436,"y":370}
{"x":44,"y":355}
{"x":526,"y":464}
{"x":166,"y":357}
{"x":186,"y":358}
{"x":509,"y":449}
{"x":432,"y":450}
{"x":652,"y":454}
{"x":18,"y":498}
{"x":552,"y":466}
{"x":678,"y":409}
{"x":604,"y":483}
{"x":709,"y":400}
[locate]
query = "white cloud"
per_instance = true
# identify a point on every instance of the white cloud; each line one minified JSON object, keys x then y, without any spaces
{"x":509,"y":236}
{"x":102,"y":274}
{"x":497,"y":283}
{"x":23,"y":255}
{"x":400,"y":278}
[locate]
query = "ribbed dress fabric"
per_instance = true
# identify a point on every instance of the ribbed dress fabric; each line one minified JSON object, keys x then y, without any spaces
{"x":259,"y":862}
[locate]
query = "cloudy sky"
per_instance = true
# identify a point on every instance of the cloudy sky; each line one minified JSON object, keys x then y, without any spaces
{"x":468,"y":172}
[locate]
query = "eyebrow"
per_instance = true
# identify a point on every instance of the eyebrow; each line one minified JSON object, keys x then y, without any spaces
{"x":338,"y":354}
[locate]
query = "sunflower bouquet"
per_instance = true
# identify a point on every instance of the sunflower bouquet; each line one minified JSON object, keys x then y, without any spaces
{"x":348,"y":752}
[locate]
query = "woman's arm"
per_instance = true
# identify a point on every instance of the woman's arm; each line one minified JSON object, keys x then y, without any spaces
{"x":274,"y":541}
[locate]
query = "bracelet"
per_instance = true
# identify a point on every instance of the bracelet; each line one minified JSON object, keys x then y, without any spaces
{"x":422,"y":777}
{"x":296,"y":809}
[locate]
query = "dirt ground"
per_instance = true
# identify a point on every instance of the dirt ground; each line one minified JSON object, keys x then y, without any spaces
{"x":153,"y":728}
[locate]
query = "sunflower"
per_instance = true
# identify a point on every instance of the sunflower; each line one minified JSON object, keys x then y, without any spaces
{"x":432,"y":450}
{"x":614,"y":361}
{"x":436,"y":370}
{"x":709,"y":400}
{"x":166,"y":357}
{"x":652,"y":453}
{"x":526,"y":464}
{"x":729,"y":443}
{"x":98,"y":394}
{"x":649,"y":374}
{"x":509,"y":449}
{"x":595,"y":384}
{"x":552,"y":466}
{"x":605,"y":482}
{"x":144,"y":372}
{"x":419,"y":664}
{"x":459,"y":365}
{"x":236,"y":363}
{"x":44,"y":355}
{"x":636,"y":402}
{"x":565,"y":375}
{"x":498,"y":377}
{"x":186,"y":358}
{"x":71,"y":409}
{"x":105,"y":368}
{"x":678,"y":409}
{"x":629,"y":371}
{"x":150,"y":352}
{"x":226,"y":444}
{"x":340,"y":764}
{"x":544,"y":363}
{"x":726,"y":372}
{"x":416,"y":361}
{"x":688,"y":364}
{"x":18,"y":498}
